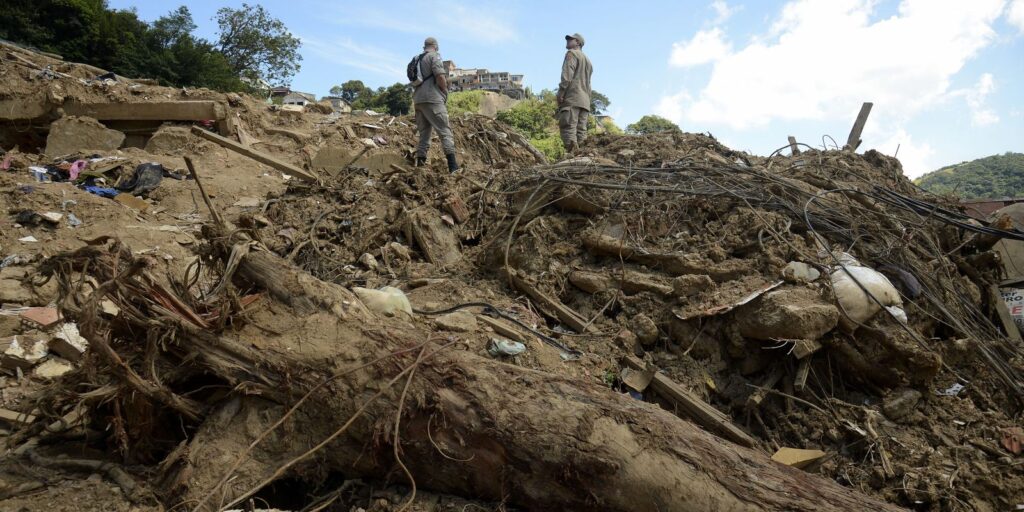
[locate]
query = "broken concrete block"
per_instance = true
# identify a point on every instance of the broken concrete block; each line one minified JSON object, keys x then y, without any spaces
{"x":369,"y":261}
{"x":691,"y":284}
{"x":67,"y":342}
{"x":168,"y":140}
{"x":900,"y":403}
{"x":21,"y":352}
{"x":41,"y":318}
{"x":459,"y":321}
{"x":52,"y":217}
{"x":80,"y":134}
{"x":645,"y":329}
{"x":788,"y":313}
{"x":52,"y":368}
{"x":12,"y":292}
{"x":796,"y":457}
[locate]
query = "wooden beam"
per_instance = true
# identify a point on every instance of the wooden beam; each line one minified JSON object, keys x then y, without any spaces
{"x":503,"y":328}
{"x":793,"y":149}
{"x":759,"y":394}
{"x":253,"y":154}
{"x":17,"y":418}
{"x":802,"y":370}
{"x":562,"y":312}
{"x":692,"y":407}
{"x":858,"y":126}
{"x":152,"y":111}
{"x":804,"y":348}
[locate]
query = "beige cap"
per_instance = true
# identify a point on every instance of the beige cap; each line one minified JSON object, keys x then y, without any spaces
{"x":577,"y":37}
{"x":430,"y":41}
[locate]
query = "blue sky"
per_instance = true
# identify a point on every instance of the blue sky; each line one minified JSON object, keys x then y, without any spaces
{"x":946,"y":76}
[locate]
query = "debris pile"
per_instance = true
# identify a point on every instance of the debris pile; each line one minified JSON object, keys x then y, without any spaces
{"x":299,"y":318}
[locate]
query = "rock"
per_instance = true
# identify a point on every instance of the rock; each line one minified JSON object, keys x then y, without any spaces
{"x":79,"y":135}
{"x":800,"y":272}
{"x":900,"y":403}
{"x":645,"y":329}
{"x":52,"y":368}
{"x":787,"y":313}
{"x":459,"y":321}
{"x":369,"y":261}
{"x":691,"y":284}
{"x":12,"y":292}
{"x":67,"y":342}
{"x":21,"y":351}
{"x":169,"y":140}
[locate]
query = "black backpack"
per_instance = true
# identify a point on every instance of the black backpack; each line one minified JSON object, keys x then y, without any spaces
{"x":412,"y":71}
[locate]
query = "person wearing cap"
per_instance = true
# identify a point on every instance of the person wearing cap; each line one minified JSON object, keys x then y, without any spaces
{"x":574,"y":94}
{"x":431,"y":112}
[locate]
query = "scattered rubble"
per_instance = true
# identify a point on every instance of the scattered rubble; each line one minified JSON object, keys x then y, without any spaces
{"x":308,"y":280}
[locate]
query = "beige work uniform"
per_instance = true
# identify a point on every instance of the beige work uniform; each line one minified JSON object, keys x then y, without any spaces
{"x":431,"y":111}
{"x":574,"y":92}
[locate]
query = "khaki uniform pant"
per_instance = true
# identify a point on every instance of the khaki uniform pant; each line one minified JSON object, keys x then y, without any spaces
{"x":433,"y":116}
{"x":572,"y":123}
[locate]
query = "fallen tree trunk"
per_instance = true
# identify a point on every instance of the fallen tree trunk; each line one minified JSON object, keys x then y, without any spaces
{"x":365,"y":393}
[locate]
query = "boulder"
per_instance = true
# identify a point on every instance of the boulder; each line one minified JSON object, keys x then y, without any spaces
{"x":900,"y":403}
{"x":645,"y":329}
{"x":788,"y":313}
{"x":74,"y":134}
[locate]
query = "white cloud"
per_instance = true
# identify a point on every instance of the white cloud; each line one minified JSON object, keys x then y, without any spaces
{"x":1015,"y":14}
{"x":822,"y":58}
{"x":723,"y":11}
{"x":706,"y":46}
{"x":916,"y":158}
{"x":347,"y":52}
{"x":980,"y":114}
{"x":671,"y":107}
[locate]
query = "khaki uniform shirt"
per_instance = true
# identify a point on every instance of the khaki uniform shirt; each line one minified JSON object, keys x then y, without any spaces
{"x":428,"y":91}
{"x":574,"y":89}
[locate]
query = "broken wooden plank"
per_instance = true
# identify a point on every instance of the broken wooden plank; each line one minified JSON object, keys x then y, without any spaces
{"x":435,"y":239}
{"x":793,"y":149}
{"x":759,"y":394}
{"x":853,"y":141}
{"x":503,"y":328}
{"x":562,"y":312}
{"x":802,"y":370}
{"x":349,"y":133}
{"x":692,"y":407}
{"x":15,"y":417}
{"x":253,"y":154}
{"x":457,"y":207}
{"x":804,"y":348}
{"x":199,"y":110}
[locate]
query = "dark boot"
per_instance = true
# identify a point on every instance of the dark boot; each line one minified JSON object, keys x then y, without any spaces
{"x":452,"y":164}
{"x":420,"y":161}
{"x":573,"y":148}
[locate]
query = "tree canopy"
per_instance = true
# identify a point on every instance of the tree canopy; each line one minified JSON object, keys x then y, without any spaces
{"x":89,"y":31}
{"x":257,"y":45}
{"x":652,"y":124}
{"x":992,"y":177}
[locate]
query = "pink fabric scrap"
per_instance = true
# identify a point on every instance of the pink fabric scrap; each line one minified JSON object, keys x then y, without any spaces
{"x":76,"y":168}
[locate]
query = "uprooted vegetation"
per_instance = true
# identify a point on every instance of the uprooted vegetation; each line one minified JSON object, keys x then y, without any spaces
{"x":639,"y":328}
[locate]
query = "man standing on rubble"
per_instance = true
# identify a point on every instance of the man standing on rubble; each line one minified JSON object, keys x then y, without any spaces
{"x":574,"y":94}
{"x":430,"y":96}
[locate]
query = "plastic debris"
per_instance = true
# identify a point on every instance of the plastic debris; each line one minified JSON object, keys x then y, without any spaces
{"x":387,"y":300}
{"x":498,"y":347}
{"x":73,"y":221}
{"x":953,"y":390}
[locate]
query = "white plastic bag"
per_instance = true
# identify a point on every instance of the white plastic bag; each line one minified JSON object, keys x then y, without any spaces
{"x":387,"y":300}
{"x":857,"y":305}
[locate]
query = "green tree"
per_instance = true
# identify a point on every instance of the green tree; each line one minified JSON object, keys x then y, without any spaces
{"x":395,"y":100}
{"x":991,"y":177}
{"x":462,"y":102}
{"x":598,"y":102}
{"x":652,"y":124}
{"x":257,"y":45}
{"x":353,"y":91}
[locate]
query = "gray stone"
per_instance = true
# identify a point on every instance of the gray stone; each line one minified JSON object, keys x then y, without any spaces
{"x":645,"y":329}
{"x":79,"y":135}
{"x":900,"y":403}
